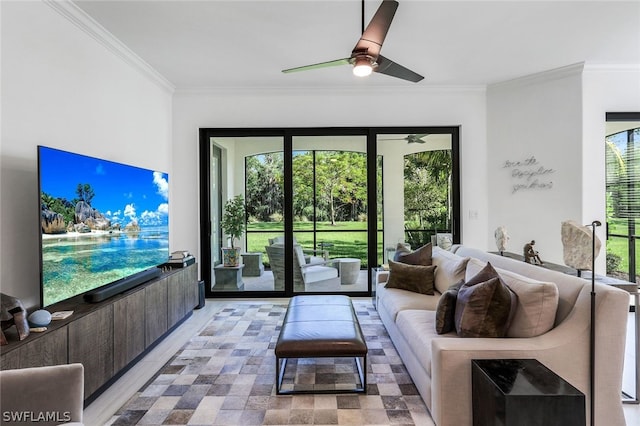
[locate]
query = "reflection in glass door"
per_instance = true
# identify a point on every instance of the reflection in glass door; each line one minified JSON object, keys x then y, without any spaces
{"x":426,"y":188}
{"x":216,"y":203}
{"x":250,"y":166}
{"x":330,"y":213}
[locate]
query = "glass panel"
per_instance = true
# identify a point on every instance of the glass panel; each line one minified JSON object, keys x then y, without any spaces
{"x":426,"y":181}
{"x":330,"y":213}
{"x":380,"y":252}
{"x":618,"y":257}
{"x":622,"y":154}
{"x":216,"y":202}
{"x":254,"y":168}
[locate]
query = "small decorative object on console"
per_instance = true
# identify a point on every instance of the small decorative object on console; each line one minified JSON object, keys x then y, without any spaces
{"x":60,"y":315}
{"x":502,"y":239}
{"x":179,"y":259}
{"x":576,"y":245}
{"x":530,"y":255}
{"x":12,"y":312}
{"x":39,"y":318}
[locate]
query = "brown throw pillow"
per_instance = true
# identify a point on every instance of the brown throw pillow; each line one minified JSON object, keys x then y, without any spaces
{"x":415,"y":278}
{"x":420,"y":256}
{"x":485,"y":305}
{"x":446,"y":310}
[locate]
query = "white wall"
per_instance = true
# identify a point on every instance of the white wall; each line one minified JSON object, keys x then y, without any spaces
{"x":413,"y":106}
{"x":558,"y":117}
{"x":536,"y":116}
{"x":63,"y":89}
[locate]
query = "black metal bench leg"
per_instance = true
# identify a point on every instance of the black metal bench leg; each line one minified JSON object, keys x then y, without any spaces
{"x":281,"y":366}
{"x":362,"y":373}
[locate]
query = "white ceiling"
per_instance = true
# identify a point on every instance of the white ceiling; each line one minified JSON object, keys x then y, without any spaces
{"x":223,"y":44}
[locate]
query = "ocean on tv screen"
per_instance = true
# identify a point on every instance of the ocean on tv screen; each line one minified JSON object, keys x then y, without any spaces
{"x":101,"y":221}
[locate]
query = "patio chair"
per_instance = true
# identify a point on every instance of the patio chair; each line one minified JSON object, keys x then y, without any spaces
{"x":311,"y":255}
{"x":315,"y":272}
{"x":276,"y":260}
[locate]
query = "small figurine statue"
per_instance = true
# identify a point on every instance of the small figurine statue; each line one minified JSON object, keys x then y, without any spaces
{"x":530,"y":255}
{"x":502,"y":238}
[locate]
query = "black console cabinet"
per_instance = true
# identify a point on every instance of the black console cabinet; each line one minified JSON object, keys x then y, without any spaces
{"x":107,"y":337}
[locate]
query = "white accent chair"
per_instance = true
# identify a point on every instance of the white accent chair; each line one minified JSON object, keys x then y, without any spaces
{"x":314,"y":257}
{"x":317,"y":271}
{"x":47,"y":395}
{"x":306,"y":270}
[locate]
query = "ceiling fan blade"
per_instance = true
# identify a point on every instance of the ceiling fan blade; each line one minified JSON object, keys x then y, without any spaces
{"x":416,"y":138}
{"x":333,"y":63}
{"x":376,"y":31}
{"x":388,"y":67}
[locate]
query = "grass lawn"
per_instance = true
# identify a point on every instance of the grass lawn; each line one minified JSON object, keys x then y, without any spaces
{"x":620,"y":245}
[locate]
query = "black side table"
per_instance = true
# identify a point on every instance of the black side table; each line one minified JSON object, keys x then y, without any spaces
{"x":523,"y":392}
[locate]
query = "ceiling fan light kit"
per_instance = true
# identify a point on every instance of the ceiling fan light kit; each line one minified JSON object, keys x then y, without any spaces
{"x":362,"y":67}
{"x":365,"y":56}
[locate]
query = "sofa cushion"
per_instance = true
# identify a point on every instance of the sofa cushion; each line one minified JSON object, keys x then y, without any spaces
{"x":485,"y":305}
{"x":537,"y":301}
{"x":394,"y":300}
{"x":446,"y":310}
{"x":451,"y":268}
{"x":420,"y":256}
{"x":418,"y":329}
{"x":415,"y":278}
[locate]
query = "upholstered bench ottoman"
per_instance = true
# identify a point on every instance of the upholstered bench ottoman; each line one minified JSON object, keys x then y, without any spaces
{"x":320,"y":326}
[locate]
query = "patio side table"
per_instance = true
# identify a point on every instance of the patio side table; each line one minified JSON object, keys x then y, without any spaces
{"x":228,"y":278}
{"x":349,"y":270}
{"x":253,"y":266}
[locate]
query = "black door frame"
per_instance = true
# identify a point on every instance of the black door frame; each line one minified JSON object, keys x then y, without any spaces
{"x":631,"y":231}
{"x":371,"y":133}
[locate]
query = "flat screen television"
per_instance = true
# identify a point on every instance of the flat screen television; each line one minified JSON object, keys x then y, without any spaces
{"x":104,"y":226}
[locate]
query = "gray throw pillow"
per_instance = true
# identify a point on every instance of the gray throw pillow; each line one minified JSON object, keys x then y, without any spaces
{"x":420,"y":256}
{"x":446,"y":309}
{"x":485,"y":306}
{"x":415,"y":278}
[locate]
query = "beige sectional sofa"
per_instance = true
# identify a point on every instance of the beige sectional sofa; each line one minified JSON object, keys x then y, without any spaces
{"x":440,"y":364}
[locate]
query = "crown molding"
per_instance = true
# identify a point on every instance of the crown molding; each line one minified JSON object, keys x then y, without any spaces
{"x":541,"y":77}
{"x":91,"y":27}
{"x":612,"y":67}
{"x":329,"y":91}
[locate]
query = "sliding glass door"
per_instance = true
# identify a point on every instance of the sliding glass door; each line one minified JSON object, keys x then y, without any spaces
{"x":252,"y":167}
{"x":424,"y":183}
{"x":330,"y":225}
{"x":321,"y":205}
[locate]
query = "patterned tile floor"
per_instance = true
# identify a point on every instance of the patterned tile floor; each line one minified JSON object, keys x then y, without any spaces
{"x":225,"y":376}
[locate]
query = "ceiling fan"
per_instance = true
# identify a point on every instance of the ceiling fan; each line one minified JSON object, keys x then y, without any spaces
{"x":418,"y":138}
{"x":366,"y":57}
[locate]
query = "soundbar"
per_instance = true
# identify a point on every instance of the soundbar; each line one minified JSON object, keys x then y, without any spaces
{"x":122,"y":285}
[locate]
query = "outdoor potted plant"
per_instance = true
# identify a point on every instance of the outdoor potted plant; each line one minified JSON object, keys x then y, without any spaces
{"x":233,"y":223}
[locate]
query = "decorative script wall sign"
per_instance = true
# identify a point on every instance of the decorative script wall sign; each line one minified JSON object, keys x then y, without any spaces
{"x":528,"y":174}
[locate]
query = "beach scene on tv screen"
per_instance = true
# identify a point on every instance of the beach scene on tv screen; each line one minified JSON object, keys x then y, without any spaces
{"x":101,"y":221}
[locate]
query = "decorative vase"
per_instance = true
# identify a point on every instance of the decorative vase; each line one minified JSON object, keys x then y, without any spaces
{"x":230,"y":256}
